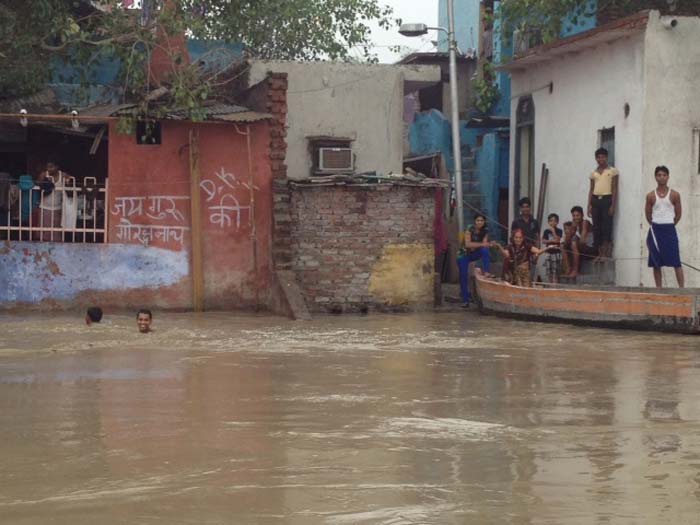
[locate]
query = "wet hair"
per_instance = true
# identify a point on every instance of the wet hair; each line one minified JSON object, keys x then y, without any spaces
{"x":601,"y":151}
{"x":144,"y":311}
{"x":477,"y":215}
{"x":578,"y":209}
{"x":661,"y":168}
{"x":523,"y":201}
{"x":95,"y":314}
{"x":553,"y":216}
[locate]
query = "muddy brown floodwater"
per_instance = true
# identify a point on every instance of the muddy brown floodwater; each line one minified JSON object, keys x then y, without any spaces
{"x":436,"y":418}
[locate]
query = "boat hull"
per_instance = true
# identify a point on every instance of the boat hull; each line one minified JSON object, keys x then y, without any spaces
{"x":619,"y":308}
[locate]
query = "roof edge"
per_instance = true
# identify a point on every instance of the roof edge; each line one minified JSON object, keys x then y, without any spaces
{"x":633,"y":23}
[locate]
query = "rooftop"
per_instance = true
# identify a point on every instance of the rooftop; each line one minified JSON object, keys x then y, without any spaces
{"x":619,"y":29}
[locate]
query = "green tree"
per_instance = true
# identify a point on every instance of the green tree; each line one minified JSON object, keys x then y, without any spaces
{"x":547,"y":18}
{"x":37,"y":36}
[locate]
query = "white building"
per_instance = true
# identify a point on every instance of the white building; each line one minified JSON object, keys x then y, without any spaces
{"x":346,"y":105}
{"x":631,"y":86}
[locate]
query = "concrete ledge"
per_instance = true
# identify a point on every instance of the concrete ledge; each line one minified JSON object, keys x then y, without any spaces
{"x":287,"y":298}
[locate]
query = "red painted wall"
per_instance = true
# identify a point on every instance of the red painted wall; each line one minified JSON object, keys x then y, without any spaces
{"x":149,"y":203}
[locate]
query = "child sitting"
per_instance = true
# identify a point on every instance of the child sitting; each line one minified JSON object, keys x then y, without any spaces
{"x":551,"y":238}
{"x":516,"y":263}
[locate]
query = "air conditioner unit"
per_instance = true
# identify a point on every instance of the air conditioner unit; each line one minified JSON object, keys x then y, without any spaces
{"x":335,"y":159}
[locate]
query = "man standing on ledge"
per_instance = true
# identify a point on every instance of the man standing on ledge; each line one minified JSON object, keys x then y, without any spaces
{"x":663,"y":211}
{"x":602,"y":199}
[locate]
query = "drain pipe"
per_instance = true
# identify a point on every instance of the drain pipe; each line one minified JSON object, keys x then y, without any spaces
{"x":251,"y":212}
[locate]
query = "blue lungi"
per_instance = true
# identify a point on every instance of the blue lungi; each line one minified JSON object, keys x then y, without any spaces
{"x":662,"y":241}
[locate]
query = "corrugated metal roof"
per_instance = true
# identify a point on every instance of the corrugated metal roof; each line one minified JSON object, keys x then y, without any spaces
{"x":213,"y":111}
{"x":43,"y":101}
{"x":106,"y":110}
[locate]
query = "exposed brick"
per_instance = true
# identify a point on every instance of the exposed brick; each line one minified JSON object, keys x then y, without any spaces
{"x":340,"y":232}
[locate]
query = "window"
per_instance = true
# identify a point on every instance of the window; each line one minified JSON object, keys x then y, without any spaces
{"x":331,"y":156}
{"x":148,"y":133}
{"x":67,"y":205}
{"x":606,"y":139}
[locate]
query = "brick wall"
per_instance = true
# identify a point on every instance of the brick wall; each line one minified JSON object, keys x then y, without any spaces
{"x":358,"y":248}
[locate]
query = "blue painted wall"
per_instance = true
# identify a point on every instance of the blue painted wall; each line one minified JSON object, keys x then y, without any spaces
{"x":582,"y":23}
{"x":466,"y":24}
{"x":430,"y":133}
{"x":103,"y":74}
{"x":32,"y":272}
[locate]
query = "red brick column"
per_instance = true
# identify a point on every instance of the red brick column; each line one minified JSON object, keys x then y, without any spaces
{"x":276,"y":105}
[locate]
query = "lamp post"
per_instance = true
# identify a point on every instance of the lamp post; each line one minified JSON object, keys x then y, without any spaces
{"x":422,"y":29}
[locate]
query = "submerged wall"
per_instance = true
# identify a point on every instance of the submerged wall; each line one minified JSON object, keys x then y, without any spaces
{"x":358,"y":247}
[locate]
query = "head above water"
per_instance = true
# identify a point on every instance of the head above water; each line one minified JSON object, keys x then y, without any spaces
{"x":93,"y":315}
{"x":144,"y":318}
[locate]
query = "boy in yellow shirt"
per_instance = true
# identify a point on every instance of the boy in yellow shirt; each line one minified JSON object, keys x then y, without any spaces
{"x":602,"y":199}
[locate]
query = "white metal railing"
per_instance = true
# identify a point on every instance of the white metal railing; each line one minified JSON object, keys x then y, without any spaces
{"x":79,"y":215}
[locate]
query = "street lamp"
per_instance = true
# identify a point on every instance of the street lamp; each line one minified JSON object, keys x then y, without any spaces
{"x":412,"y":30}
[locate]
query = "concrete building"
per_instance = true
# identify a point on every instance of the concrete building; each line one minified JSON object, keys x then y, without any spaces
{"x":628,"y":85}
{"x":356,"y":106}
{"x":133,"y":242}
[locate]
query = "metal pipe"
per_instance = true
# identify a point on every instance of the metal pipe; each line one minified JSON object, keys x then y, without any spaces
{"x":251,"y":211}
{"x":454,"y":115}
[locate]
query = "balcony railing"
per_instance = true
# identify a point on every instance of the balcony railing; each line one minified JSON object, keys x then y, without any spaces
{"x":63,"y":213}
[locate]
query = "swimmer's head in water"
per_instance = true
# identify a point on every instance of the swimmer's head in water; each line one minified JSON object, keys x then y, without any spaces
{"x":93,"y":315}
{"x":143,"y":320}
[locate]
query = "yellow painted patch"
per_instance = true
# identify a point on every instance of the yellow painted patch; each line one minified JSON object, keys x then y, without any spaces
{"x":404,"y":274}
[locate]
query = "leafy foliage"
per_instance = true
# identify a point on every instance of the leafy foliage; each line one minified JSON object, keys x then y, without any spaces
{"x":486,"y":92}
{"x":544,"y":17}
{"x":41,"y":36}
{"x":548,"y":18}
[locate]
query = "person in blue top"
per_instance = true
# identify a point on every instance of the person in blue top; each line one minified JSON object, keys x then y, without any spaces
{"x":475,"y":246}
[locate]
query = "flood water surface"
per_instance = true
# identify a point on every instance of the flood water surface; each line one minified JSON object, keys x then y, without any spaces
{"x":435,"y":418}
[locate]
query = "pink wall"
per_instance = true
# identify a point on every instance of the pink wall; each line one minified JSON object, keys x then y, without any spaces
{"x":149,"y":204}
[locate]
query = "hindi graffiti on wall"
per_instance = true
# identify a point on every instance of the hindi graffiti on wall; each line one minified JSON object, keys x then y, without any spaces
{"x":224,"y":207}
{"x":137,"y":215}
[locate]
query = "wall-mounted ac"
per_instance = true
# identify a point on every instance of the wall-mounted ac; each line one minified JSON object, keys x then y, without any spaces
{"x":335,"y":159}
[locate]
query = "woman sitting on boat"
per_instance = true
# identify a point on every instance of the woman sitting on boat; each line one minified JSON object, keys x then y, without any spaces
{"x":517,"y":257}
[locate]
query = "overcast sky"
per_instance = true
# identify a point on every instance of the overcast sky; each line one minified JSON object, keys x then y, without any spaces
{"x":425,"y":11}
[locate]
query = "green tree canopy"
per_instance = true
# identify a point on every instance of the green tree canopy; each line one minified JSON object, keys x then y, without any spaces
{"x":38,"y":35}
{"x":548,"y":18}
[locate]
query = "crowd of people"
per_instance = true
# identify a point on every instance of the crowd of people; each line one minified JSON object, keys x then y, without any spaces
{"x":579,"y":238}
